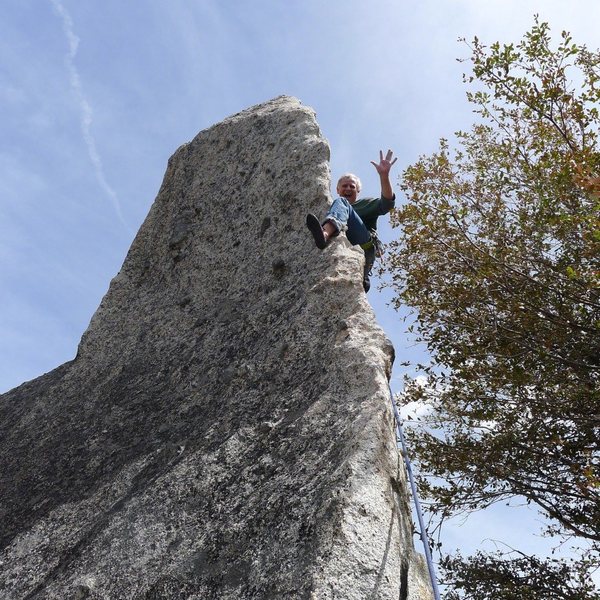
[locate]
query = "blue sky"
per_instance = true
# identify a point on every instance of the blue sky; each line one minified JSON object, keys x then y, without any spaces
{"x":95,"y":97}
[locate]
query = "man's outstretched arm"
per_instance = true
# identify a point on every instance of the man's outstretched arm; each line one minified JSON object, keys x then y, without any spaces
{"x":383,"y":168}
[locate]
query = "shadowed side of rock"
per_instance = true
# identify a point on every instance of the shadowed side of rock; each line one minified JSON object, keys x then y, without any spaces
{"x":224,"y":430}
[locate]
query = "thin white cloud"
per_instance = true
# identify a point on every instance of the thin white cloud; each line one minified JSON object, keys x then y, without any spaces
{"x":86,"y":114}
{"x":415,"y":411}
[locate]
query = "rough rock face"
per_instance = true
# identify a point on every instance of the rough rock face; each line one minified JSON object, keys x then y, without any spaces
{"x":225,"y":430}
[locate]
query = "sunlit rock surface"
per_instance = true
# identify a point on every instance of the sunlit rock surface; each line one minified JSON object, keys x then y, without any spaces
{"x":225,"y":429}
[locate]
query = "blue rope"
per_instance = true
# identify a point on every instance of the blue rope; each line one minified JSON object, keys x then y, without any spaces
{"x":415,"y":495}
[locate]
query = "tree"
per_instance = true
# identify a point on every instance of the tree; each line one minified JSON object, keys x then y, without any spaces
{"x":499,"y":258}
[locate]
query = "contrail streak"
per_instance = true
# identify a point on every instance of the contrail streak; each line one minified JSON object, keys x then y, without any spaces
{"x":84,"y":107}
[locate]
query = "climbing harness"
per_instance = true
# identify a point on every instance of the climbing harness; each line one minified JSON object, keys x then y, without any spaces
{"x":400,"y":441}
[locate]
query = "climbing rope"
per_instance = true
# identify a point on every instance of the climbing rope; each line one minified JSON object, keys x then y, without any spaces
{"x":422,"y":533}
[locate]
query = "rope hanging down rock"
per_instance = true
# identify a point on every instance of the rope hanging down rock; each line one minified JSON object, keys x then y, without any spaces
{"x":422,"y":531}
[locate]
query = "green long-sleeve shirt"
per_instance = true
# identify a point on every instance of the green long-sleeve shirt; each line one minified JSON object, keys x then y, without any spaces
{"x":369,"y":209}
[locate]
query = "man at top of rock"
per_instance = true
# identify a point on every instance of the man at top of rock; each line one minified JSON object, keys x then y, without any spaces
{"x":357,"y":216}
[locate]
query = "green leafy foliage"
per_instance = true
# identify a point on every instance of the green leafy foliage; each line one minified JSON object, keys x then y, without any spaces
{"x":499,"y":257}
{"x":519,"y":577}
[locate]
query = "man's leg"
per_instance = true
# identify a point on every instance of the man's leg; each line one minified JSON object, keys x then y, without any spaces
{"x":369,"y":262}
{"x":340,"y":214}
{"x":358,"y":234}
{"x":334,"y":222}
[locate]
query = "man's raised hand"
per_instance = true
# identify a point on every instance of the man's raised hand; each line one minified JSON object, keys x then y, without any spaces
{"x":385,"y":164}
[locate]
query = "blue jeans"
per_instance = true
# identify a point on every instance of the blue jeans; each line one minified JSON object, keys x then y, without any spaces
{"x":342,"y":214}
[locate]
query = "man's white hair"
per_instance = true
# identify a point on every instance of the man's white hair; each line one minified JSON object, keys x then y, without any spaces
{"x":353,"y":177}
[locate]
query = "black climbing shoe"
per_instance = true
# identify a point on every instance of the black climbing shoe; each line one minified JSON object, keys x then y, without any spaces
{"x":315,"y":228}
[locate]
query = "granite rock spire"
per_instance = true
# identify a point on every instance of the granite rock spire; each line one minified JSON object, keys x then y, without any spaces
{"x":224,"y":430}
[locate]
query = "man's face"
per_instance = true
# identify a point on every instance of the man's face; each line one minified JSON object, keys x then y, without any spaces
{"x":347,"y":188}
